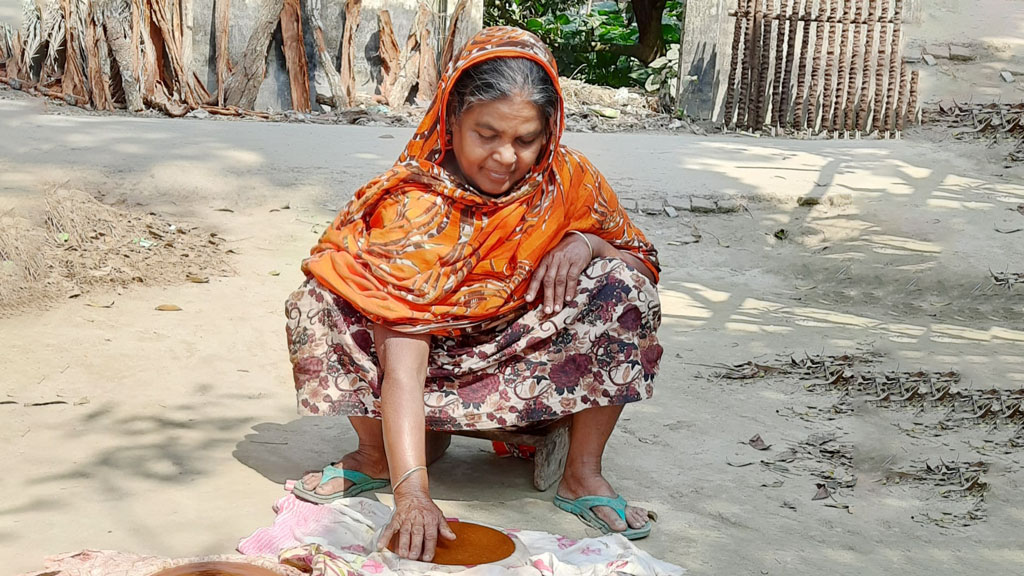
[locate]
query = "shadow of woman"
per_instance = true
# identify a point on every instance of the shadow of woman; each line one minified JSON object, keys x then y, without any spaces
{"x":469,"y":470}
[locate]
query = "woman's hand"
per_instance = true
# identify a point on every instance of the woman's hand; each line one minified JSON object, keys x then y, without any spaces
{"x":417,"y":522}
{"x":559,"y":272}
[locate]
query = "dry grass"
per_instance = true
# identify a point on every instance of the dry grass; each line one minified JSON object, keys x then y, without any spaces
{"x":81,"y":244}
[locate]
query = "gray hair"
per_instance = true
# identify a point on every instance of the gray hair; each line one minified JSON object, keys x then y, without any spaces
{"x":500,"y":78}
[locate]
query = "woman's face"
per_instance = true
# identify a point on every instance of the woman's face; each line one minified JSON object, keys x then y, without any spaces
{"x":496,"y":143}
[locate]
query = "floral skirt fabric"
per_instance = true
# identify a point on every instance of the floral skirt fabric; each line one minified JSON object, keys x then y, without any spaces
{"x":600,"y":350}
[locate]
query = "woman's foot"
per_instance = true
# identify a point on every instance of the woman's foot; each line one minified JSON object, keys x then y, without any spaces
{"x":372,"y":461}
{"x":577,"y":485}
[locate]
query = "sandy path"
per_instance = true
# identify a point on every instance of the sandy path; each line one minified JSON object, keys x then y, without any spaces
{"x":189,"y":425}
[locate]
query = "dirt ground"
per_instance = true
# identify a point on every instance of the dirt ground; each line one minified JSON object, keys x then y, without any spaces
{"x":176,"y":429}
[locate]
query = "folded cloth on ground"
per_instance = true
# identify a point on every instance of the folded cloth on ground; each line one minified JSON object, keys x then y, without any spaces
{"x":111,"y":563}
{"x":337,"y":539}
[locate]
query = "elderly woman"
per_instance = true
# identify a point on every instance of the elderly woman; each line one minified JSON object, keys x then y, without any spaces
{"x":490,"y":279}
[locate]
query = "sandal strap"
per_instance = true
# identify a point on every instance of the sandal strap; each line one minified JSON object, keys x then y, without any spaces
{"x":618,"y":504}
{"x":330,"y":472}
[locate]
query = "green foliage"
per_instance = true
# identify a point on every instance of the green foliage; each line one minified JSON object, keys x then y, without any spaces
{"x":580,"y":39}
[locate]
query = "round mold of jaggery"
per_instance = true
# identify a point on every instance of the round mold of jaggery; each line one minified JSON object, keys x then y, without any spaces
{"x":474,"y":545}
{"x":216,"y":569}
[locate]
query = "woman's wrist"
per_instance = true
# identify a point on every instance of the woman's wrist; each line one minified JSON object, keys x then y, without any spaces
{"x":416,"y":485}
{"x":601,"y":248}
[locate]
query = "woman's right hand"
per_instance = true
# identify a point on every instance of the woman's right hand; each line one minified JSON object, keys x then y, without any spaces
{"x":417,"y":522}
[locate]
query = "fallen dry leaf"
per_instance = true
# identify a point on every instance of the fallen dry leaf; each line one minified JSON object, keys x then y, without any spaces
{"x":198,"y":279}
{"x":47,"y":403}
{"x":757,"y":443}
{"x":823,"y":493}
{"x":1008,"y":230}
{"x":275,"y":273}
{"x":223,"y":210}
{"x":1020,"y":208}
{"x":738,"y":464}
{"x":94,"y":305}
{"x":168,"y":308}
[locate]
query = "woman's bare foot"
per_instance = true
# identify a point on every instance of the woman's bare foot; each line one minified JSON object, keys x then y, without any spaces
{"x":373,"y":463}
{"x":577,"y":484}
{"x":370,"y":460}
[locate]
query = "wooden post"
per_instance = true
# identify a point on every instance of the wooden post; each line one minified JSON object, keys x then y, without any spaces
{"x":856,"y":55}
{"x":828,"y":98}
{"x":788,"y":85}
{"x":838,"y":112}
{"x":734,"y":67}
{"x":871,"y":43}
{"x":816,"y":66}
{"x":803,"y":69}
{"x":880,"y":68}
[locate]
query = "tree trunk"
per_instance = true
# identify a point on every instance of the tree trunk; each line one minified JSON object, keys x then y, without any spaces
{"x":244,"y":84}
{"x":650,"y":43}
{"x":295,"y":54}
{"x":223,"y":23}
{"x":348,"y":51}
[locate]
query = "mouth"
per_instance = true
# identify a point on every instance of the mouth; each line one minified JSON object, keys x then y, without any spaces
{"x":498,"y":176}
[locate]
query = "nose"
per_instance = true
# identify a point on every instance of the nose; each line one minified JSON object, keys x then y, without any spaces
{"x":506,"y":154}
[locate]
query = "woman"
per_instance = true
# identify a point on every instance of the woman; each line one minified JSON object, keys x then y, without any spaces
{"x":490,"y":279}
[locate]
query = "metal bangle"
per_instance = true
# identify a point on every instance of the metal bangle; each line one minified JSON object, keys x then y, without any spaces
{"x":406,"y":476}
{"x":585,"y":239}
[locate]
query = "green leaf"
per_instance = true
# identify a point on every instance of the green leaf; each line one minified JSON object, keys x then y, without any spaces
{"x":563,"y":19}
{"x":659,"y":62}
{"x":670,"y":32}
{"x":534,"y":25}
{"x":654,"y":82}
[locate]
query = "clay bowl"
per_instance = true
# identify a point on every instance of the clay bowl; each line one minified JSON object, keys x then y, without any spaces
{"x":216,"y":569}
{"x":474,"y":544}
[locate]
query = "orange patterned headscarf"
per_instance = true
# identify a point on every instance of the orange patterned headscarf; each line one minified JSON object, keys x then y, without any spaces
{"x":421,"y":251}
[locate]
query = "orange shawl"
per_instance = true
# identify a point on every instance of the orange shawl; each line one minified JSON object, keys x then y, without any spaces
{"x":421,"y":251}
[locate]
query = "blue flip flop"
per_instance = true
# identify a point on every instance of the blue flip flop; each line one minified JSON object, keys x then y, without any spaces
{"x":360,"y":483}
{"x":583,"y":509}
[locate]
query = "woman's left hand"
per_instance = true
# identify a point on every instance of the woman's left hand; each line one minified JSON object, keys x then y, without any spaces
{"x":559,"y":273}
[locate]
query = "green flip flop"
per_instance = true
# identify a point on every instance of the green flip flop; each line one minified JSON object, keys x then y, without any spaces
{"x":360,"y":483}
{"x":583,"y":509}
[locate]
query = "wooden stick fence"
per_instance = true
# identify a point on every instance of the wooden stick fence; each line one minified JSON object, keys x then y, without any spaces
{"x":831,"y":66}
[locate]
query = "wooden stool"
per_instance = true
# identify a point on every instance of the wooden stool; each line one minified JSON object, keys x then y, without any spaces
{"x":552,"y":443}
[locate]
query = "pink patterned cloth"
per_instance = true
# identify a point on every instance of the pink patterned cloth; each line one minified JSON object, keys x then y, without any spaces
{"x":111,"y":563}
{"x":337,"y":540}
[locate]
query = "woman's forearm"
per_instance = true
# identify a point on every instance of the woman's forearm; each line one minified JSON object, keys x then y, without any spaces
{"x":602,"y":249}
{"x":403,"y":358}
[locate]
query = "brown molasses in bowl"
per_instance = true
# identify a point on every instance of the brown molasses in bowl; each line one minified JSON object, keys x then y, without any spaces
{"x":473,"y":545}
